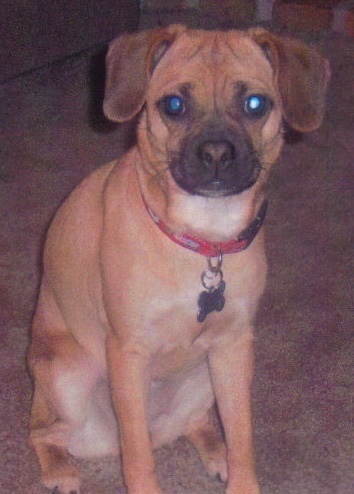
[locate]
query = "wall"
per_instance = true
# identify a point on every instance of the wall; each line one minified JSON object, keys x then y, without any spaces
{"x":37,"y":32}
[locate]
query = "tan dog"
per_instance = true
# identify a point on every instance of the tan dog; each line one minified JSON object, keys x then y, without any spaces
{"x":154,"y":266}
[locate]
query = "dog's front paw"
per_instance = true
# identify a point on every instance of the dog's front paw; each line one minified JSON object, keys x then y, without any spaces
{"x":144,"y":491}
{"x":144,"y":486}
{"x":244,"y":490}
{"x":244,"y":487}
{"x":57,"y":491}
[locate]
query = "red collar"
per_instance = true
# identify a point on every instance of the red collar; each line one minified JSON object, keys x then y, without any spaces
{"x":213,"y":249}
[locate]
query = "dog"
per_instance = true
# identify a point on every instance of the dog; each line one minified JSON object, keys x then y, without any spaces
{"x":155,"y":264}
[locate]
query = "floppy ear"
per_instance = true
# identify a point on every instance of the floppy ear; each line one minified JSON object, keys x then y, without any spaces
{"x":302,"y":77}
{"x":130,"y":61}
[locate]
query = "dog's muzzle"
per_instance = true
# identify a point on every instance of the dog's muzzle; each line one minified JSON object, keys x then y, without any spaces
{"x":216,"y":166}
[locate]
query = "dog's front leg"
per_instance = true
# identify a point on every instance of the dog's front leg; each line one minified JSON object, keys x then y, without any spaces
{"x":231,"y":365}
{"x":129,"y":387}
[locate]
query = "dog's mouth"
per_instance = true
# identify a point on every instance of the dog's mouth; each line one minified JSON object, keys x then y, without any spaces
{"x":219,"y":188}
{"x":216,"y":166}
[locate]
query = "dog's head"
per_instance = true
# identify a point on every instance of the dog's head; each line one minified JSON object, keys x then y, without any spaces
{"x":213,"y":111}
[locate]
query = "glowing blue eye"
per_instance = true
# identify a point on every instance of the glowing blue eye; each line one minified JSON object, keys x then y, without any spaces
{"x":256,"y":105}
{"x":174,"y":105}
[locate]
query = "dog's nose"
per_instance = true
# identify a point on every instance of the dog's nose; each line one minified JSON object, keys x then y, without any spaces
{"x":216,"y":155}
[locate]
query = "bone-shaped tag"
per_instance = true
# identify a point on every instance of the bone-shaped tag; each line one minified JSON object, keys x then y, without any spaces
{"x":211,"y":300}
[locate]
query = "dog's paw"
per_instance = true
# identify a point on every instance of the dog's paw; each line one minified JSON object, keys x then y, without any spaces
{"x":155,"y":490}
{"x":56,"y":491}
{"x":64,"y":479}
{"x":244,"y":490}
{"x":216,"y":465}
{"x":244,"y":486}
{"x":211,"y":448}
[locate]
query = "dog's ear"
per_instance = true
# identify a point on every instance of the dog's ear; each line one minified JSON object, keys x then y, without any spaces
{"x":302,"y":77}
{"x":130,"y":61}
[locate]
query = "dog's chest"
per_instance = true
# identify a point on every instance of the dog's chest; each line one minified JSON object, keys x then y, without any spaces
{"x":177,"y":358}
{"x":179,"y":341}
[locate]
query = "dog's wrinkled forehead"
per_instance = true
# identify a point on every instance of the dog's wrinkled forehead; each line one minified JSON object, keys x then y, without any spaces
{"x":142,"y":65}
{"x":210,"y":59}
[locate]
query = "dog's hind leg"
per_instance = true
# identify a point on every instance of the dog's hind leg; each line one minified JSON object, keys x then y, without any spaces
{"x":50,"y":432}
{"x":208,"y":441}
{"x":63,"y":377}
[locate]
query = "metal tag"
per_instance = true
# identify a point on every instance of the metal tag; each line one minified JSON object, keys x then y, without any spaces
{"x":212,"y":299}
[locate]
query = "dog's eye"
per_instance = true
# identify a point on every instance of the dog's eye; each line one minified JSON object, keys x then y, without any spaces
{"x":257,"y":105}
{"x":173,"y":105}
